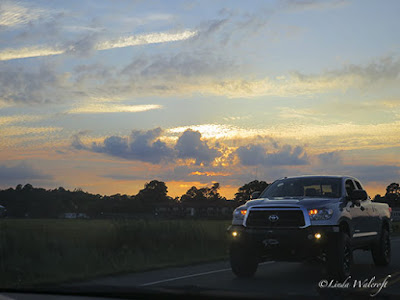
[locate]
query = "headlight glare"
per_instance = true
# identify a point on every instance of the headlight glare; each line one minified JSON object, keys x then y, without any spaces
{"x":240,"y":213}
{"x":320,"y":214}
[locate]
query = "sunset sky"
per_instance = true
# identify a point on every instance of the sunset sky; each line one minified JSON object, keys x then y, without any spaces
{"x":108,"y":95}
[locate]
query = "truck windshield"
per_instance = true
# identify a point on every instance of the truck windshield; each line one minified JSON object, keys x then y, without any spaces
{"x":321,"y":187}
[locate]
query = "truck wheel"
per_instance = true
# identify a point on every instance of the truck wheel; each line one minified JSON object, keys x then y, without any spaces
{"x":381,"y":251}
{"x":339,"y":256}
{"x":244,"y":261}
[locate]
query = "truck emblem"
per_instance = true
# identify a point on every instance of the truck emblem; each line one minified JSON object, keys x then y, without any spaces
{"x":273,"y":218}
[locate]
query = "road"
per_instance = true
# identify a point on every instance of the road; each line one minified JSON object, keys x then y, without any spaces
{"x":273,"y":279}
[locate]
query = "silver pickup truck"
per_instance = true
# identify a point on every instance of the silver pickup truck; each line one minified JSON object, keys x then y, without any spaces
{"x":320,"y":218}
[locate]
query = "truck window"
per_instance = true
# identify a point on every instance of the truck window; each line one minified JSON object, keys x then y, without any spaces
{"x":349,"y":186}
{"x":358,"y":185}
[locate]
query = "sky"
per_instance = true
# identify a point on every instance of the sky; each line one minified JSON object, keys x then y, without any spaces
{"x":108,"y":95}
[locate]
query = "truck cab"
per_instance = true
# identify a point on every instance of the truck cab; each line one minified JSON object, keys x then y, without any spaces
{"x":323,"y":218}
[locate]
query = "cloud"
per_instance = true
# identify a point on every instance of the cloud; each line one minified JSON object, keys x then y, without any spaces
{"x":253,"y":155}
{"x":385,"y":68}
{"x":219,"y":131}
{"x":301,"y":5}
{"x":373,"y":173}
{"x":96,"y":108}
{"x":332,"y":164}
{"x":15,"y":14}
{"x":181,"y":173}
{"x":25,"y":52}
{"x":182,"y":65}
{"x":330,"y":158}
{"x":7,"y":120}
{"x":190,"y":145}
{"x":11,"y":131}
{"x":76,"y":140}
{"x":140,"y":145}
{"x":185,"y":74}
{"x":44,"y":85}
{"x":20,"y":173}
{"x":323,"y":137}
{"x":86,"y":44}
{"x":145,"y":39}
{"x":147,"y":146}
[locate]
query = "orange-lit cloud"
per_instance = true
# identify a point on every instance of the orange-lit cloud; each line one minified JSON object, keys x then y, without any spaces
{"x":209,"y":173}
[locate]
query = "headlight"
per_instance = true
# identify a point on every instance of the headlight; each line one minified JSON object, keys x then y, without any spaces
{"x":320,"y":214}
{"x":240,"y":213}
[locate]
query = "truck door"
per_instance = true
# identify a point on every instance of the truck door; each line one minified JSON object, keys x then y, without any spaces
{"x":371,"y":223}
{"x":356,"y":212}
{"x":360,"y":217}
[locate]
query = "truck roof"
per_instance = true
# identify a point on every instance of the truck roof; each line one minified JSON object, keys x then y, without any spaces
{"x":325,"y":176}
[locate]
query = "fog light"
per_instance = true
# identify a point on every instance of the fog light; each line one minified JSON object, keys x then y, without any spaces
{"x":317,"y":236}
{"x":234,"y":233}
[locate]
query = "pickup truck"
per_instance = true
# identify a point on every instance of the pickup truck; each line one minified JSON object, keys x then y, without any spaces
{"x":317,"y":218}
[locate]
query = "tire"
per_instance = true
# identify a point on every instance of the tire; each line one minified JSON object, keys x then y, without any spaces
{"x":381,"y":251}
{"x":243,"y":259}
{"x":339,"y":256}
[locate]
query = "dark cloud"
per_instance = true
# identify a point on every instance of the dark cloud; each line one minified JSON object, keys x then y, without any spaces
{"x":330,"y":158}
{"x":96,"y":71}
{"x":382,"y":69}
{"x":20,"y":173}
{"x":332,"y":163}
{"x":76,"y":140}
{"x":140,"y":145}
{"x":184,"y":64}
{"x":253,"y":155}
{"x":44,"y":85}
{"x":82,"y":46}
{"x":146,"y":146}
{"x":190,"y":145}
{"x":373,"y":173}
{"x":365,"y":173}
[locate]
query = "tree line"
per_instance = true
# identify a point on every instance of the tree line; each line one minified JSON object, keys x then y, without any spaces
{"x":29,"y":201}
{"x":392,"y":195}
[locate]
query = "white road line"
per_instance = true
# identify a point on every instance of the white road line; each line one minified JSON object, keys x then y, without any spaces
{"x":194,"y":275}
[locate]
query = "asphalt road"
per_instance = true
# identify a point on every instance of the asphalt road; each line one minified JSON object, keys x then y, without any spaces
{"x":274,"y":279}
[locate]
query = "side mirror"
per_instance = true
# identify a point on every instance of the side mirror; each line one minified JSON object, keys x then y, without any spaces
{"x":255,"y":195}
{"x":358,"y":195}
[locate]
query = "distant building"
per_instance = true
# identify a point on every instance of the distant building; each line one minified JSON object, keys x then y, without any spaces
{"x":3,"y":211}
{"x":202,"y":210}
{"x":74,"y":216}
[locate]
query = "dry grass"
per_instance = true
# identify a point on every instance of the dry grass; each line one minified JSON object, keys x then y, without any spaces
{"x":50,"y":251}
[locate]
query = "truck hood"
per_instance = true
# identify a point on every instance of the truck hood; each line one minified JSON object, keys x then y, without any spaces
{"x":305,"y":202}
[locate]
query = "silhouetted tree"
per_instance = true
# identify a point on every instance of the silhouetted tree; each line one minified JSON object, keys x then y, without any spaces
{"x":203,"y":195}
{"x":246,"y":190}
{"x":154,"y":192}
{"x":393,"y":191}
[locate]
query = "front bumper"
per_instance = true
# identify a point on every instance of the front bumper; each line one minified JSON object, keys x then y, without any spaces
{"x":287,"y":244}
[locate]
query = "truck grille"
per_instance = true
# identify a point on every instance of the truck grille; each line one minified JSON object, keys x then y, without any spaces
{"x":275,"y":218}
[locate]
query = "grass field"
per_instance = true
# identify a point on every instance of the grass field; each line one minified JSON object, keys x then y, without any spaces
{"x":44,"y":251}
{"x":51,"y":251}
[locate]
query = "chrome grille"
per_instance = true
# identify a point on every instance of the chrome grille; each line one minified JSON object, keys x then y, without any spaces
{"x":275,"y":218}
